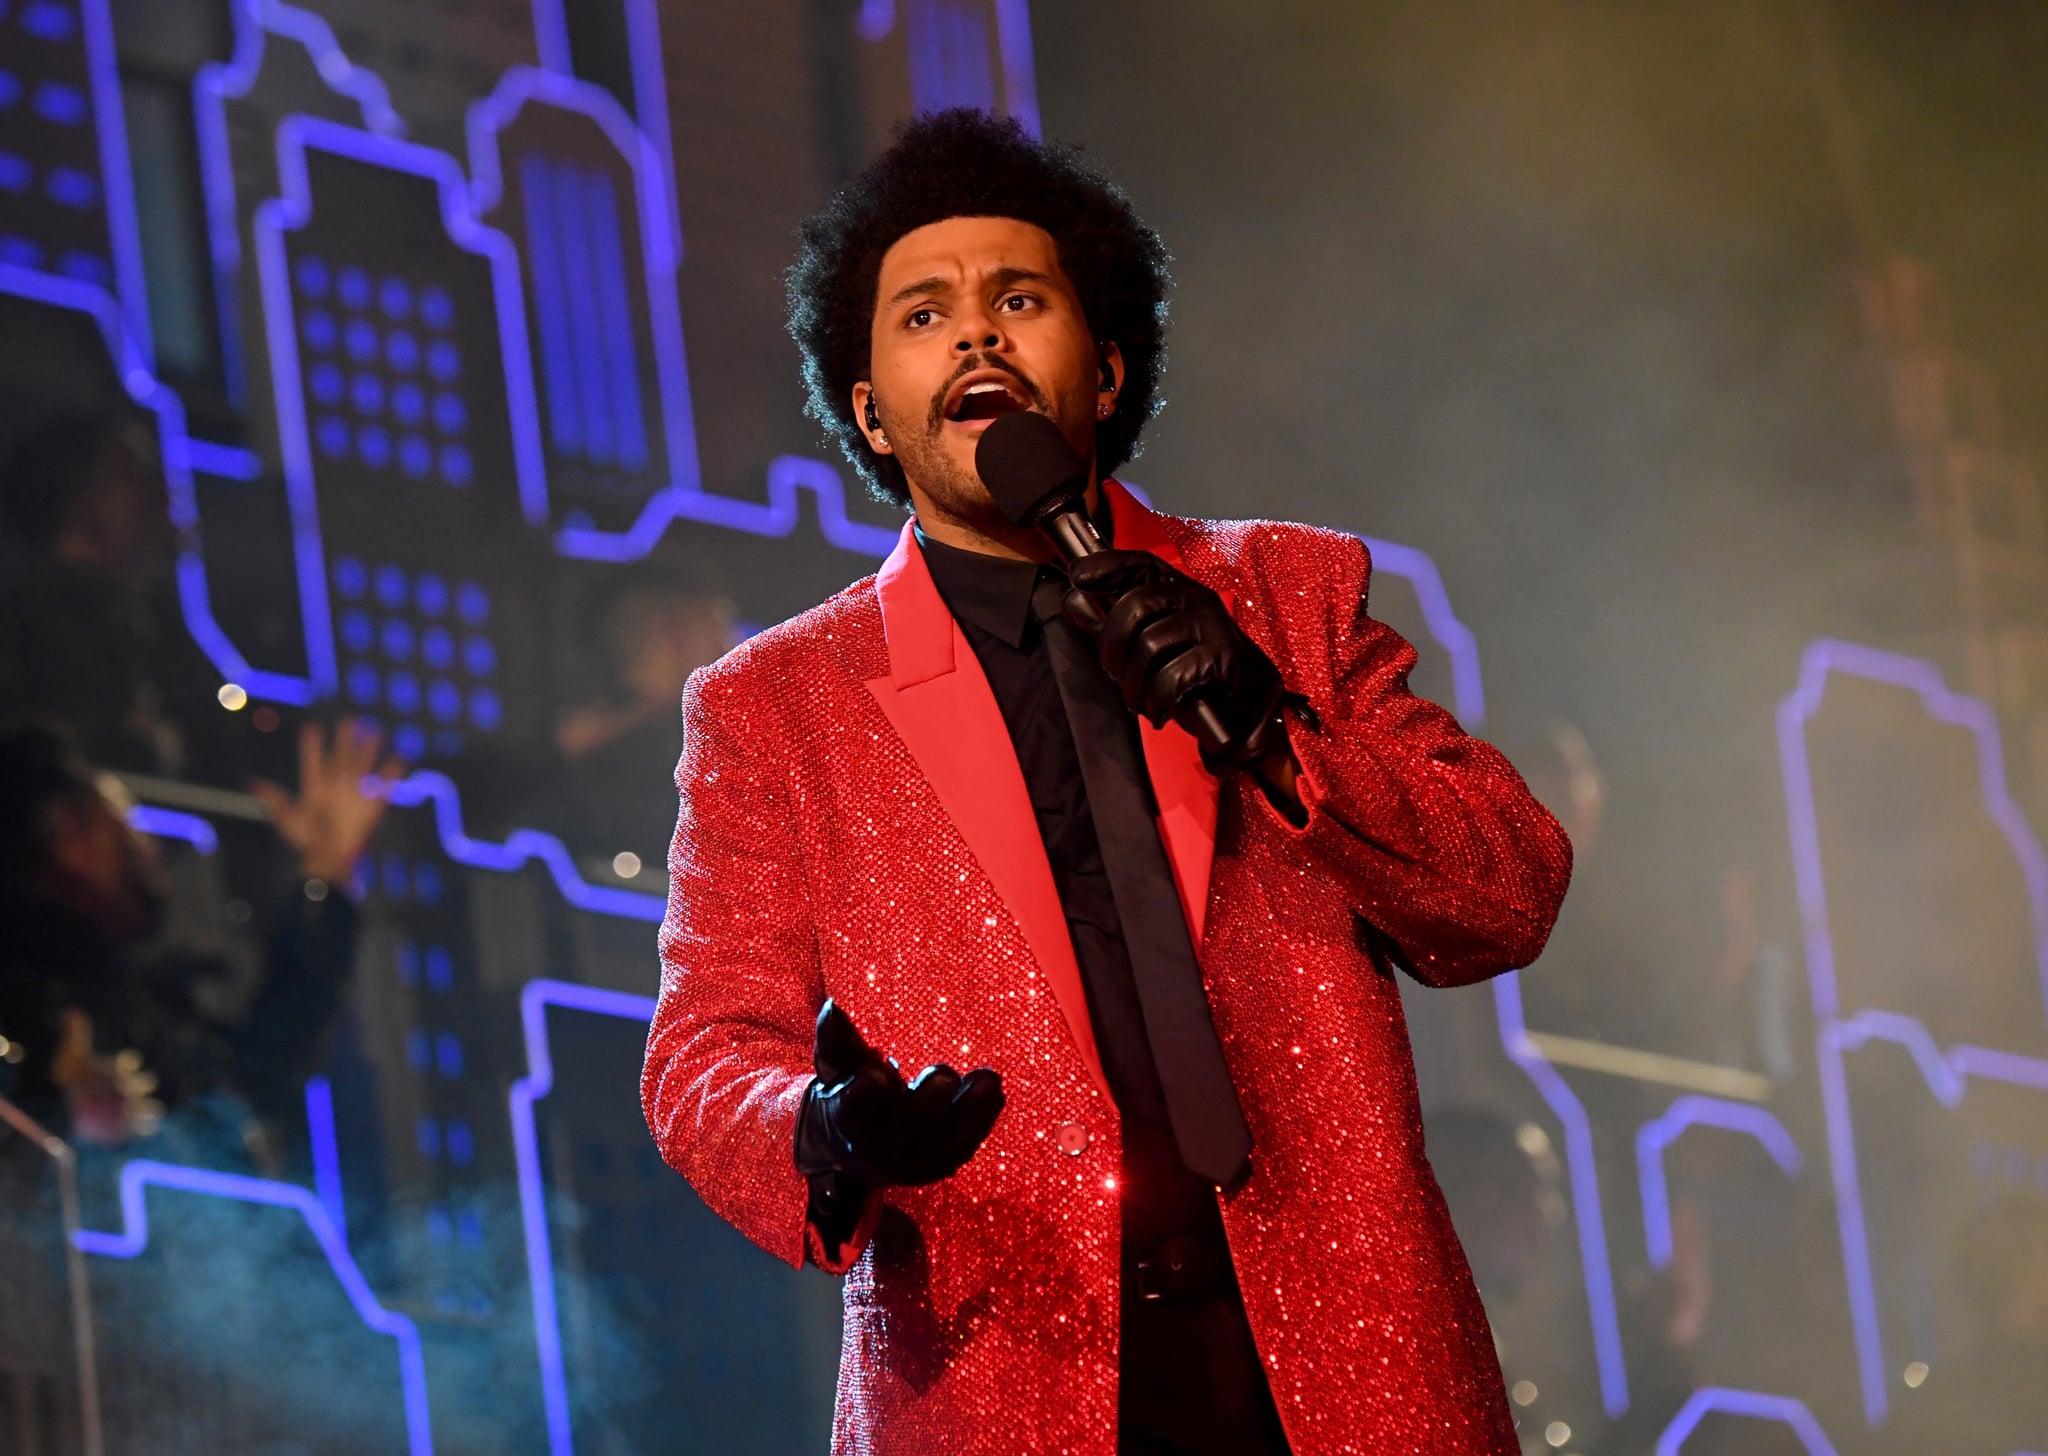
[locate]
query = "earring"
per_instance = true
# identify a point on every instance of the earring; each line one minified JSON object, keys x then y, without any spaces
{"x":874,"y":420}
{"x":1104,"y":410}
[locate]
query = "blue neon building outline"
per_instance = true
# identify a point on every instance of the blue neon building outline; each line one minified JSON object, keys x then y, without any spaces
{"x":1780,"y":1409}
{"x":660,"y":240}
{"x":778,"y":516}
{"x":110,"y":125}
{"x":289,"y":212}
{"x":175,"y":443}
{"x":219,"y":82}
{"x":650,"y":83}
{"x":534,"y":1000}
{"x":138,"y":1176}
{"x":1583,"y":1174}
{"x":1836,"y":1034}
{"x":325,"y":1149}
{"x":1655,"y":1137}
{"x":520,"y":847}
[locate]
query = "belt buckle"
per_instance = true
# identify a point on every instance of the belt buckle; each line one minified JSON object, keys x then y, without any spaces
{"x":1158,"y":1278}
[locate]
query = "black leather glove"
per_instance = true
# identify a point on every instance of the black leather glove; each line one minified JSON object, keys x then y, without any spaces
{"x":1169,"y":643}
{"x":863,"y":1128}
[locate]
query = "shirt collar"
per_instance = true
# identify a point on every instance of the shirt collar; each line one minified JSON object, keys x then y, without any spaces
{"x":991,"y":592}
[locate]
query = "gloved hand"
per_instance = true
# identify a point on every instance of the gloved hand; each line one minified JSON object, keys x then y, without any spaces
{"x":1169,"y":643}
{"x":861,"y":1123}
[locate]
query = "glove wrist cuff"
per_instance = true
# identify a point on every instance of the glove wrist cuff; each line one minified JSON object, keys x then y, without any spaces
{"x":818,"y":1152}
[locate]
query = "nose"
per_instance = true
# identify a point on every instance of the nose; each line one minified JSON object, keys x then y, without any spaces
{"x":976,"y":329}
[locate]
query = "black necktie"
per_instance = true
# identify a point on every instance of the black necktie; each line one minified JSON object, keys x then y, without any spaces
{"x":1201,"y":1103}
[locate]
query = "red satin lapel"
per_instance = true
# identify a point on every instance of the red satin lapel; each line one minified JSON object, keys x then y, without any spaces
{"x":939,"y":703}
{"x":1187,"y":792}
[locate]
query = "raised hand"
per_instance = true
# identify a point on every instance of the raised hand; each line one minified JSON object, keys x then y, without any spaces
{"x":330,"y":820}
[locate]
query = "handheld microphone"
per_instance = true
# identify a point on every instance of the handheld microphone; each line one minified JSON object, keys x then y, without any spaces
{"x":1038,"y":481}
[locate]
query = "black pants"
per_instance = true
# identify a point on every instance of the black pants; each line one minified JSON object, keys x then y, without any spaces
{"x":1190,"y":1381}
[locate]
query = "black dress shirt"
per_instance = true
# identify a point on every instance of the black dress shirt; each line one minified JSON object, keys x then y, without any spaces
{"x":1190,"y":1380}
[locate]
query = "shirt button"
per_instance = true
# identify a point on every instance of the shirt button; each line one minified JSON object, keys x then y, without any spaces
{"x":1073,"y":1139}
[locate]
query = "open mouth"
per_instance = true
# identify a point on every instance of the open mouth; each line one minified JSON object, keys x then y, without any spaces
{"x":985,"y":395}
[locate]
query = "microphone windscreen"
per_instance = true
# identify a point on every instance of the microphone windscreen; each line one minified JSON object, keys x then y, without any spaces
{"x":1026,"y":462}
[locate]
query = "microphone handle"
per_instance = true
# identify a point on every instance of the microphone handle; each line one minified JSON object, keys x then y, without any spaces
{"x":1073,"y":534}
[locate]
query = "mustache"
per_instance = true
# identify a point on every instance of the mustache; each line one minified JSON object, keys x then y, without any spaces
{"x":972,"y":362}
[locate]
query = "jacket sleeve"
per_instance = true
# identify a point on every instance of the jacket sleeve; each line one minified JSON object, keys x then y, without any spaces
{"x":1441,"y":846}
{"x":729,"y":1050}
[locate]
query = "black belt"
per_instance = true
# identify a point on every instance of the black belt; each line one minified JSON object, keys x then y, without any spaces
{"x":1183,"y":1268}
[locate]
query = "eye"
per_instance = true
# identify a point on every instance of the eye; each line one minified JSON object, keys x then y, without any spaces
{"x":1016,"y":302}
{"x":919,"y":318}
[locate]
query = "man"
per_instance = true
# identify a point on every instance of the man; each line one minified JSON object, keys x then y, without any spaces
{"x":90,"y":634}
{"x":1181,"y":1204}
{"x":102,"y":1042}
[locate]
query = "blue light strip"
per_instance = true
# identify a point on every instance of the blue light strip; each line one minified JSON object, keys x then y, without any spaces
{"x":519,"y":847}
{"x":326,"y":1152}
{"x":1584,"y":1176}
{"x":1780,"y":1409}
{"x":174,"y":824}
{"x":578,"y":267}
{"x":1468,"y":692}
{"x":138,"y":1176}
{"x":778,"y":516}
{"x":1657,"y":1135}
{"x":1835,"y":1034}
{"x":551,"y":37}
{"x":650,"y":104}
{"x":615,"y":320}
{"x":551,"y":303}
{"x":534,"y":1000}
{"x":110,"y":122}
{"x":1020,"y":73}
{"x":228,"y":462}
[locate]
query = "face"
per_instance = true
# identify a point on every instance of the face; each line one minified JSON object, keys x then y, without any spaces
{"x":658,"y":642}
{"x":974,"y":319}
{"x":99,"y":863}
{"x":122,"y":523}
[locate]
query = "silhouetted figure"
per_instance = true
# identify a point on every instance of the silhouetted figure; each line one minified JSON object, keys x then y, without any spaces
{"x":90,"y":633}
{"x":618,"y":750}
{"x":102,"y":1040}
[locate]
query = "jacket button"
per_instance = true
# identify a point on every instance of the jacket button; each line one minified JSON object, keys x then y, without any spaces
{"x":1073,"y":1139}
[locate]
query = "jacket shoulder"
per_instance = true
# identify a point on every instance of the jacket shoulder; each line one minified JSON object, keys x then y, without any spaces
{"x":1254,"y":548}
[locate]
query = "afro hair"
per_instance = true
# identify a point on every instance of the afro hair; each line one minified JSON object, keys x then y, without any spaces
{"x":966,"y":163}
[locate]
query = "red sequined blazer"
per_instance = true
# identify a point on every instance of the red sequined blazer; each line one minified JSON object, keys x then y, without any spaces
{"x":854,"y":824}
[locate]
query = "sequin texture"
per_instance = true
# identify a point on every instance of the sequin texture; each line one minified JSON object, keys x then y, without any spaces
{"x":812,"y":857}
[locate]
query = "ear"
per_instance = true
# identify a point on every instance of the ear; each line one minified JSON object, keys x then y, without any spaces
{"x":1112,"y":358}
{"x":864,"y":412}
